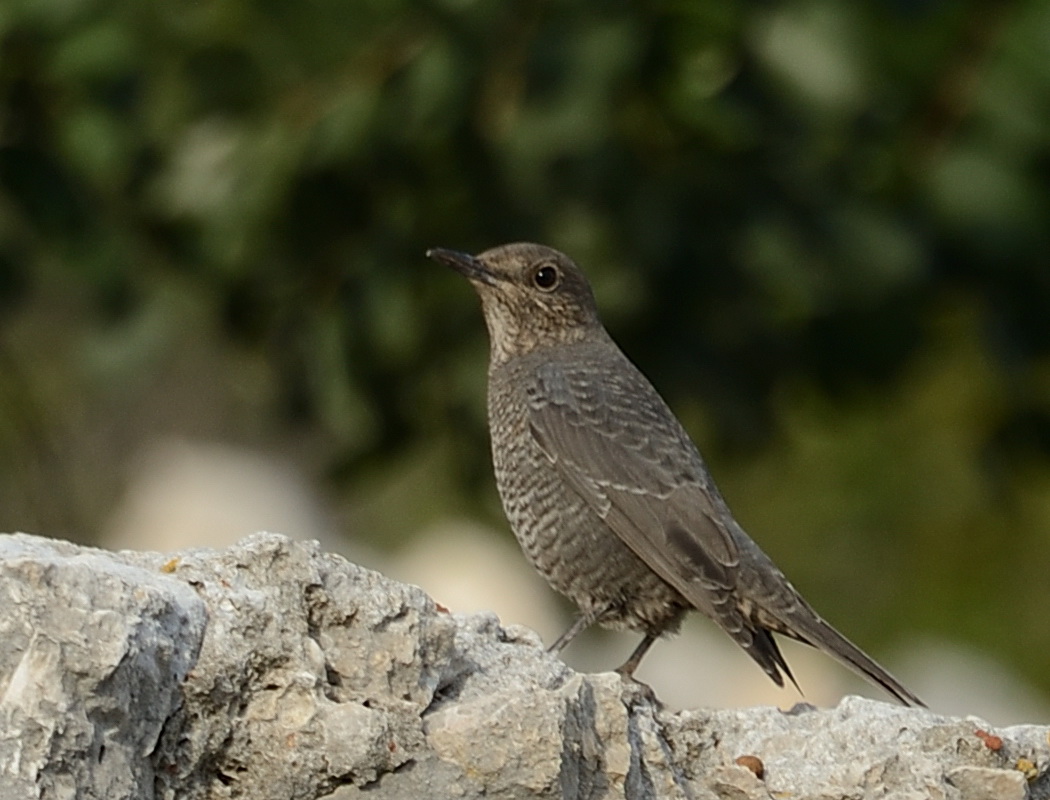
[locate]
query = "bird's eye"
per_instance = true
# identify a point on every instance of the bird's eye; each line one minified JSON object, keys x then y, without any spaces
{"x":546,"y":278}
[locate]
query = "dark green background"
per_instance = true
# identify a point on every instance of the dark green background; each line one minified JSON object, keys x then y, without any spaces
{"x":821,"y":228}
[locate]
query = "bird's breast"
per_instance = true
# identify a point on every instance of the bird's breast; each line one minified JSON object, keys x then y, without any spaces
{"x":563,"y":537}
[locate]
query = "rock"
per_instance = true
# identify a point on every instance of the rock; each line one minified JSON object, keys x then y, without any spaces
{"x":982,"y":783}
{"x":273,"y":670}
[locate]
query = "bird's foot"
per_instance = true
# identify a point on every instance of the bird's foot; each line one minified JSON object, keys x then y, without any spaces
{"x":636,"y":692}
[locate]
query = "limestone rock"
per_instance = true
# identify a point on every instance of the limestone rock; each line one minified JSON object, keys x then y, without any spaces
{"x":273,"y":670}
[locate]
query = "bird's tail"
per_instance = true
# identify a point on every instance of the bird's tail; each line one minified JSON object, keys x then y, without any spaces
{"x":801,"y":622}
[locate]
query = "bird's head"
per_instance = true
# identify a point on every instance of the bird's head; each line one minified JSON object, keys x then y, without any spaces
{"x":532,"y":296}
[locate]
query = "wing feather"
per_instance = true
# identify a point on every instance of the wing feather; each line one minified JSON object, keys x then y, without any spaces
{"x":613,"y":439}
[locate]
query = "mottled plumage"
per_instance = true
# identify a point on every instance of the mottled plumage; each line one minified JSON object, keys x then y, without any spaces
{"x":605,"y":491}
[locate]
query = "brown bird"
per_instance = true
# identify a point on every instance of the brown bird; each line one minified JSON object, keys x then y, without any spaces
{"x":605,"y":491}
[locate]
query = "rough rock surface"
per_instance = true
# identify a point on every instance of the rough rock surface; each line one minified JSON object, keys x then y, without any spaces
{"x":273,"y":670}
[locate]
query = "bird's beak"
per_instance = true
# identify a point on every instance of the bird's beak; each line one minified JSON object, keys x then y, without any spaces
{"x":462,"y":263}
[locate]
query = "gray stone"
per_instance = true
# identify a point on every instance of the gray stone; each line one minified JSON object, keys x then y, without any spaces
{"x":273,"y":670}
{"x":984,"y":783}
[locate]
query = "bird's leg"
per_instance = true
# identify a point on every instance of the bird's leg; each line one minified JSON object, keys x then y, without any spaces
{"x":628,"y":667}
{"x":581,"y":623}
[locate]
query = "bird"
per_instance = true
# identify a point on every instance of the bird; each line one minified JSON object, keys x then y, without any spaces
{"x":604,"y":489}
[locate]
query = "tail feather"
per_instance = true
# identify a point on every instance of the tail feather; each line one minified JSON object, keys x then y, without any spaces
{"x":759,"y":643}
{"x":808,"y":627}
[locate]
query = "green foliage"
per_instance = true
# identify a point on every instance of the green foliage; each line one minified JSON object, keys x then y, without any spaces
{"x":819,"y":227}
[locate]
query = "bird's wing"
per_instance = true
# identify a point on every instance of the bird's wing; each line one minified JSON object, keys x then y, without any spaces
{"x":613,"y":439}
{"x":611,"y":436}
